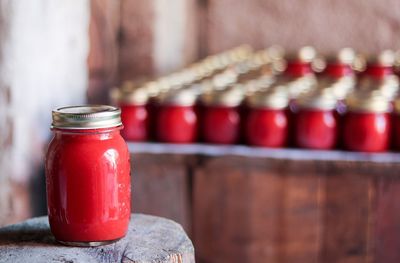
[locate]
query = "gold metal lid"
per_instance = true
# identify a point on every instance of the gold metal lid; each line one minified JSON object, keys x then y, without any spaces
{"x":86,"y":117}
{"x":397,"y":105}
{"x":138,"y":96}
{"x":386,"y":58}
{"x":297,"y":86}
{"x":388,"y":86}
{"x":344,"y":56}
{"x":229,"y":97}
{"x":364,"y":101}
{"x":318,"y":99}
{"x":305,"y":54}
{"x":275,"y":98}
{"x":340,"y":87}
{"x":179,"y":97}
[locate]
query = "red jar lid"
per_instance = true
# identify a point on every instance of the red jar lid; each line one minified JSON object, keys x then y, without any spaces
{"x":86,"y":117}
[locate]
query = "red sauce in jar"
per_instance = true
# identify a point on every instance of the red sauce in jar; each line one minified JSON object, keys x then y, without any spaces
{"x":220,"y":125}
{"x":316,"y":129}
{"x":338,"y":70}
{"x":88,"y":176}
{"x":367,"y":124}
{"x":136,"y":122}
{"x":177,"y":120}
{"x":316,"y":122}
{"x":221,"y":116}
{"x":267,"y":127}
{"x":366,"y":132}
{"x":267,"y":121}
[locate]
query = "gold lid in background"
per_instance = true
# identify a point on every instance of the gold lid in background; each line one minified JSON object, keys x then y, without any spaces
{"x":179,"y":97}
{"x":305,"y":54}
{"x":86,"y":117}
{"x":322,"y":98}
{"x":385,"y":58}
{"x":344,"y":56}
{"x":273,"y":98}
{"x":229,"y":97}
{"x":367,"y":101}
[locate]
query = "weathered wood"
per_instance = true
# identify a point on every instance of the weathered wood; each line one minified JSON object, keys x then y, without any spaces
{"x":161,"y":187}
{"x":149,"y":239}
{"x":103,"y":51}
{"x":285,"y":205}
{"x":386,"y":221}
{"x":329,"y":25}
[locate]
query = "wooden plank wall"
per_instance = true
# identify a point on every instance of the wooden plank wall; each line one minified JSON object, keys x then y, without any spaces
{"x":246,"y":209}
{"x":133,"y":39}
{"x":253,"y":209}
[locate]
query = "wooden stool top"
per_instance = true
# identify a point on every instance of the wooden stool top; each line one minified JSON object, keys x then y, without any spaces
{"x":149,"y":239}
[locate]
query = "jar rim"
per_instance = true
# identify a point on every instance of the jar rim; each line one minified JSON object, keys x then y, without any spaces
{"x":85,"y":117}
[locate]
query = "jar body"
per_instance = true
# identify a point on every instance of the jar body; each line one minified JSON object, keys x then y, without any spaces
{"x":396,"y":131}
{"x":176,"y":124}
{"x":267,"y":127}
{"x":136,"y":122}
{"x":220,"y":125}
{"x":316,"y":129}
{"x":88,"y":185}
{"x":366,"y":132}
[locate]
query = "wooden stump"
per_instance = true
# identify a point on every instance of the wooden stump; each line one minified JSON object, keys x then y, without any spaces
{"x":149,"y":239}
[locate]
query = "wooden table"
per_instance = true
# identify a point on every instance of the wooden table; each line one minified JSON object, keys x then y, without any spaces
{"x":149,"y":239}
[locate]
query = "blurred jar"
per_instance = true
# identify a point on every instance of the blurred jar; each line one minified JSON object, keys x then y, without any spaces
{"x":266,"y":123}
{"x":396,"y":125}
{"x":381,"y":65}
{"x":176,"y":117}
{"x":316,"y":122}
{"x":367,"y":123}
{"x":88,"y":176}
{"x":134,"y":114}
{"x":220,"y":116}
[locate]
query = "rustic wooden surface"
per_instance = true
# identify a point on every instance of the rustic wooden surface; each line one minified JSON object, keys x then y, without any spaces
{"x":161,"y":186}
{"x":286,"y":205}
{"x":149,"y":239}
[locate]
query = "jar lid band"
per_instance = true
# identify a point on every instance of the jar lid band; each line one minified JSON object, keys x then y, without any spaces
{"x":86,"y":117}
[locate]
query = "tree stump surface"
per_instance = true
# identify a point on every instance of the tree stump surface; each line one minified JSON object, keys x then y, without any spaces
{"x":149,"y":239}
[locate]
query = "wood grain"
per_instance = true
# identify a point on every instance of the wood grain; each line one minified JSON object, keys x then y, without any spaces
{"x":149,"y":239}
{"x":104,"y":32}
{"x":161,"y":187}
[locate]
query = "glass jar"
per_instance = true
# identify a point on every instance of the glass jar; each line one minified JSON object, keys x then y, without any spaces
{"x":266,"y":122}
{"x":367,"y":125}
{"x":176,"y":117}
{"x":396,"y":125}
{"x":134,"y":114}
{"x":316,"y":122}
{"x":220,"y":116}
{"x":88,"y":176}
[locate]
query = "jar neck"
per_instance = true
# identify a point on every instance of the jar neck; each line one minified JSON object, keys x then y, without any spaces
{"x":378,"y":71}
{"x":338,"y":70}
{"x":298,"y":69}
{"x":102,"y":133}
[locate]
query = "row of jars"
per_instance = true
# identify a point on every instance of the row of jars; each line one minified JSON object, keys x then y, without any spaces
{"x":270,"y":99}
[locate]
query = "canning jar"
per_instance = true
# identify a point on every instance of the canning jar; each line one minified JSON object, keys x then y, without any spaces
{"x":134,"y":114}
{"x":266,"y":122}
{"x":88,"y":176}
{"x":367,"y":124}
{"x":220,"y":116}
{"x":316,"y":122}
{"x":176,"y":117}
